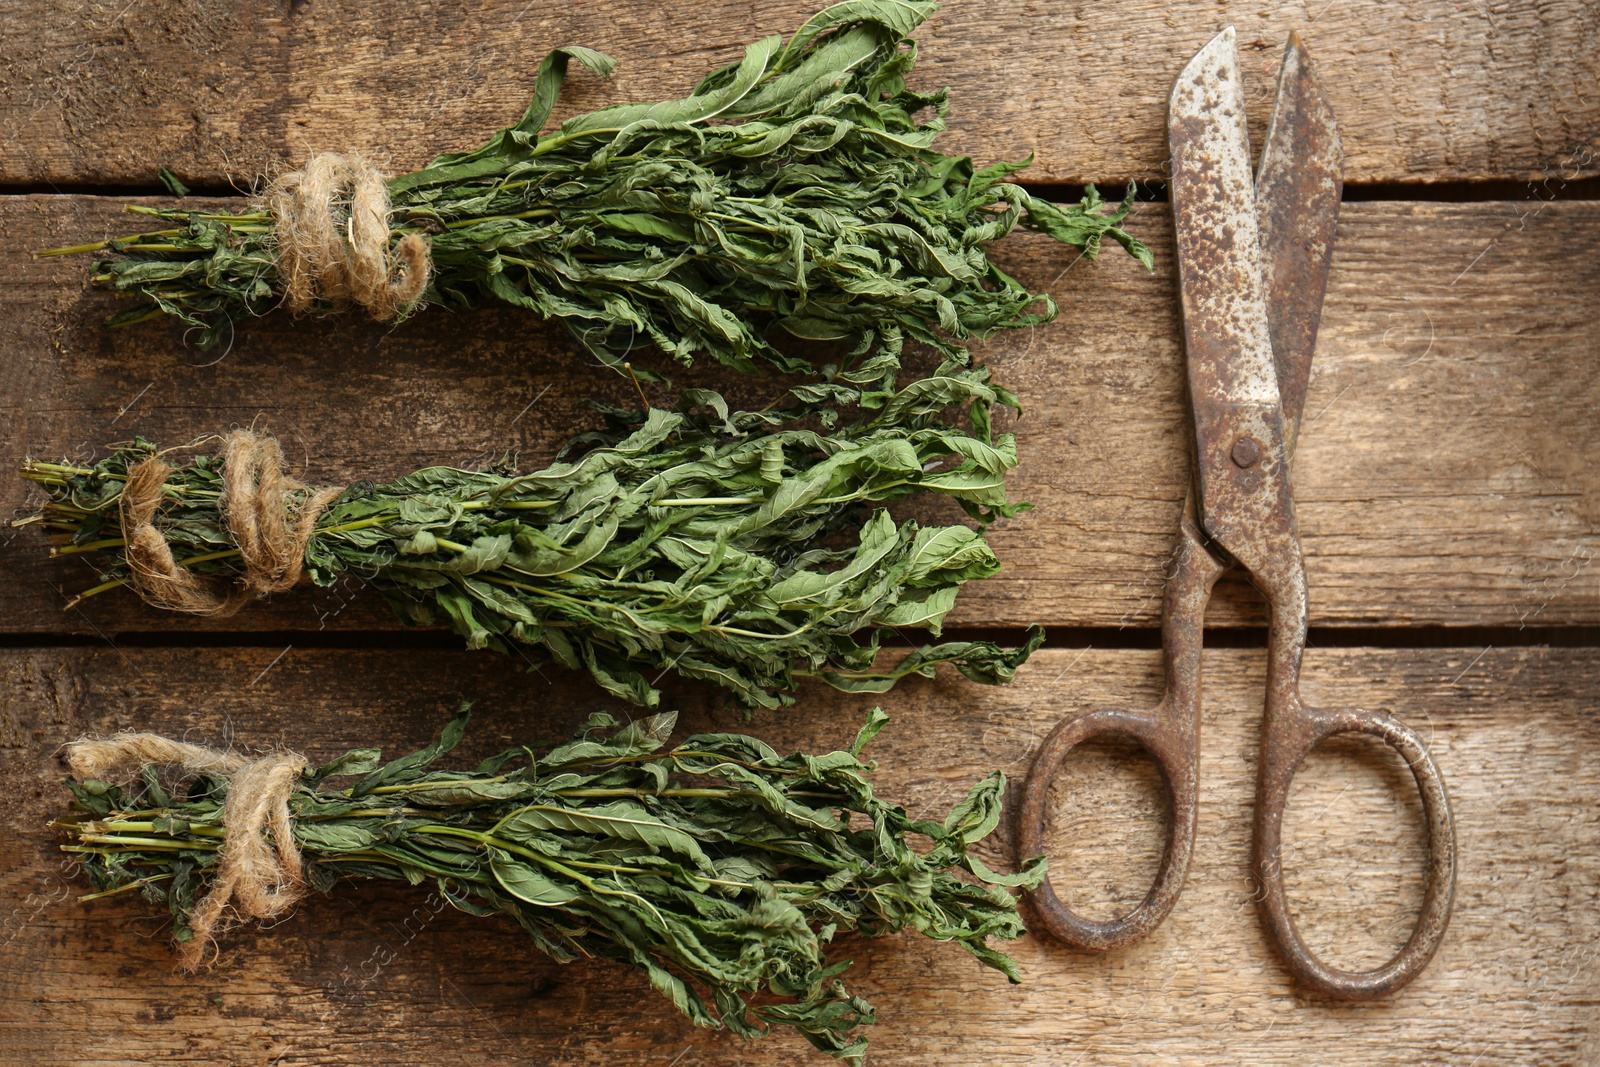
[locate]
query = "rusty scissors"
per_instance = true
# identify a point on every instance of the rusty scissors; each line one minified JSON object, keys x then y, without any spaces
{"x":1253,"y":258}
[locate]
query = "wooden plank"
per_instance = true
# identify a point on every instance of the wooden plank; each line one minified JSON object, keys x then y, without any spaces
{"x":1426,"y":91}
{"x":380,"y":974}
{"x":1443,"y":476}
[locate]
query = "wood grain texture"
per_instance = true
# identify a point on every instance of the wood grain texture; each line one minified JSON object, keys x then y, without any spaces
{"x":383,"y":974}
{"x":101,"y":91}
{"x":1444,"y":475}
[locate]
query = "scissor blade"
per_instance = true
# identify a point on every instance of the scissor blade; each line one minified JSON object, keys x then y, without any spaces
{"x":1214,"y":215}
{"x":1298,"y":185}
{"x":1240,"y":452}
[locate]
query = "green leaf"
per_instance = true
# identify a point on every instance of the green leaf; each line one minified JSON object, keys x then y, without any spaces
{"x":453,"y":792}
{"x":171,"y":182}
{"x":977,"y":815}
{"x":620,"y":819}
{"x":333,"y":836}
{"x":528,"y":884}
{"x":638,"y":738}
{"x":876,"y":721}
{"x":927,"y":612}
{"x":980,"y":661}
{"x":1030,"y":877}
{"x":409,"y":768}
{"x":697,"y":108}
{"x":483,"y":554}
{"x":515,"y":141}
{"x":356,"y":761}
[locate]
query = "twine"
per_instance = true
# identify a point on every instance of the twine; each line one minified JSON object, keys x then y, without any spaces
{"x":332,"y":238}
{"x":255,"y":506}
{"x":261,"y":881}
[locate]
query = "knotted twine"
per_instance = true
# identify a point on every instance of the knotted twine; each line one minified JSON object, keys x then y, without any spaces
{"x":331,"y":223}
{"x":260,"y":881}
{"x":256,"y":505}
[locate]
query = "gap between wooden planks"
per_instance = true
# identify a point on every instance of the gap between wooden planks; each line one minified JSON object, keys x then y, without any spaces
{"x":1429,"y":91}
{"x":1444,"y":475}
{"x":383,"y":974}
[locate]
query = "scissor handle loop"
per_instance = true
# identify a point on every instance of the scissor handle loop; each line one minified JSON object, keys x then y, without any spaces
{"x":1284,"y":750}
{"x":1178,"y":761}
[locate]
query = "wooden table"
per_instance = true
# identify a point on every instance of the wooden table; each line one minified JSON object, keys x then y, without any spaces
{"x":1447,"y":484}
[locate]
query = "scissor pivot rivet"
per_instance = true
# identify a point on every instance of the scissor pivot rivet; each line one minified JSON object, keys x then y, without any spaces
{"x":1246,"y":452}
